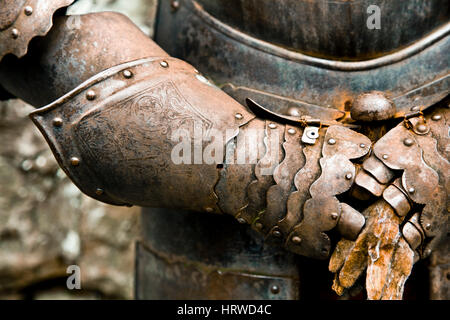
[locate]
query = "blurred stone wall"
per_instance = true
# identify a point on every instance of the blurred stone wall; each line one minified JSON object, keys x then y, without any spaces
{"x":46,"y":223}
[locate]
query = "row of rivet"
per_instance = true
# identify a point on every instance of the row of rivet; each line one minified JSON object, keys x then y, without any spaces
{"x":28,"y":10}
{"x":90,"y":95}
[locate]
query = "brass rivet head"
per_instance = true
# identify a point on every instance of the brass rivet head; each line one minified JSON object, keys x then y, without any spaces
{"x":90,"y":95}
{"x":385,"y":156}
{"x":411,"y":190}
{"x":15,"y":33}
{"x":99,"y":191}
{"x":272,"y":125}
{"x":164,"y":64}
{"x":436,"y":117}
{"x":238,"y":116}
{"x":331,"y":141}
{"x":334,"y":216}
{"x":28,"y":10}
{"x":291,"y":131}
{"x":428,"y":226}
{"x":348,"y":176}
{"x":422,"y":128}
{"x":275,"y":289}
{"x":74,"y":161}
{"x":408,"y":142}
{"x":127,"y":74}
{"x":241,"y":220}
{"x":209,"y":209}
{"x":57,"y":122}
{"x":362,"y":145}
{"x":276,"y":233}
{"x":296,"y":239}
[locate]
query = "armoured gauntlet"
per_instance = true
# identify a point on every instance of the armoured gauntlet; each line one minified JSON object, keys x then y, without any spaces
{"x":409,"y":170}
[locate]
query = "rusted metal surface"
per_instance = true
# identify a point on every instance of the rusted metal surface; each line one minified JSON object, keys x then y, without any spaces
{"x":378,"y":170}
{"x":203,"y":256}
{"x":22,"y":20}
{"x":397,"y":199}
{"x":236,"y":176}
{"x":278,"y":194}
{"x":75,"y":49}
{"x":350,"y":222}
{"x":415,"y":75}
{"x":121,"y":128}
{"x":425,"y":169}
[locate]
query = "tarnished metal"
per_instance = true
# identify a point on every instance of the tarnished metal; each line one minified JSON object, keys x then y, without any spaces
{"x":22,"y":20}
{"x":372,"y":106}
{"x":321,"y":213}
{"x":425,"y":169}
{"x":191,"y":255}
{"x":278,"y":194}
{"x":62,"y":60}
{"x":369,"y":183}
{"x":342,"y":40}
{"x":130,"y":158}
{"x":246,"y":56}
{"x":245,"y":149}
{"x":350,"y":222}
{"x":397,"y":199}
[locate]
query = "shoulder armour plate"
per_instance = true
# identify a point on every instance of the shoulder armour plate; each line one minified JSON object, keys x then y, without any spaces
{"x":21,"y":21}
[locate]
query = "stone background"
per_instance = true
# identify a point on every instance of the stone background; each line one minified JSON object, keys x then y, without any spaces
{"x":46,"y":223}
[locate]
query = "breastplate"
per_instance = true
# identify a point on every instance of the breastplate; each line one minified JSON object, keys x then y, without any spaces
{"x":316,"y":56}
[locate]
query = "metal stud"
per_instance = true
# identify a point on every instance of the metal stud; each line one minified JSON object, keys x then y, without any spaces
{"x":334,"y":216}
{"x":408,"y":142}
{"x":28,"y":10}
{"x":238,"y":116}
{"x":276,"y":233}
{"x":296,"y":239}
{"x":436,"y":117}
{"x":416,"y":108}
{"x":362,"y":145}
{"x":209,"y":209}
{"x":385,"y":156}
{"x":74,"y":161}
{"x":57,"y":122}
{"x":348,"y":176}
{"x":272,"y":125}
{"x":91,"y":95}
{"x":127,"y":74}
{"x":275,"y":289}
{"x":411,"y":190}
{"x":241,"y":220}
{"x":331,"y":141}
{"x":175,"y":5}
{"x":428,"y":226}
{"x":15,"y":33}
{"x":291,"y":131}
{"x":99,"y":191}
{"x":422,"y":128}
{"x":164,"y":64}
{"x":258,"y":225}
